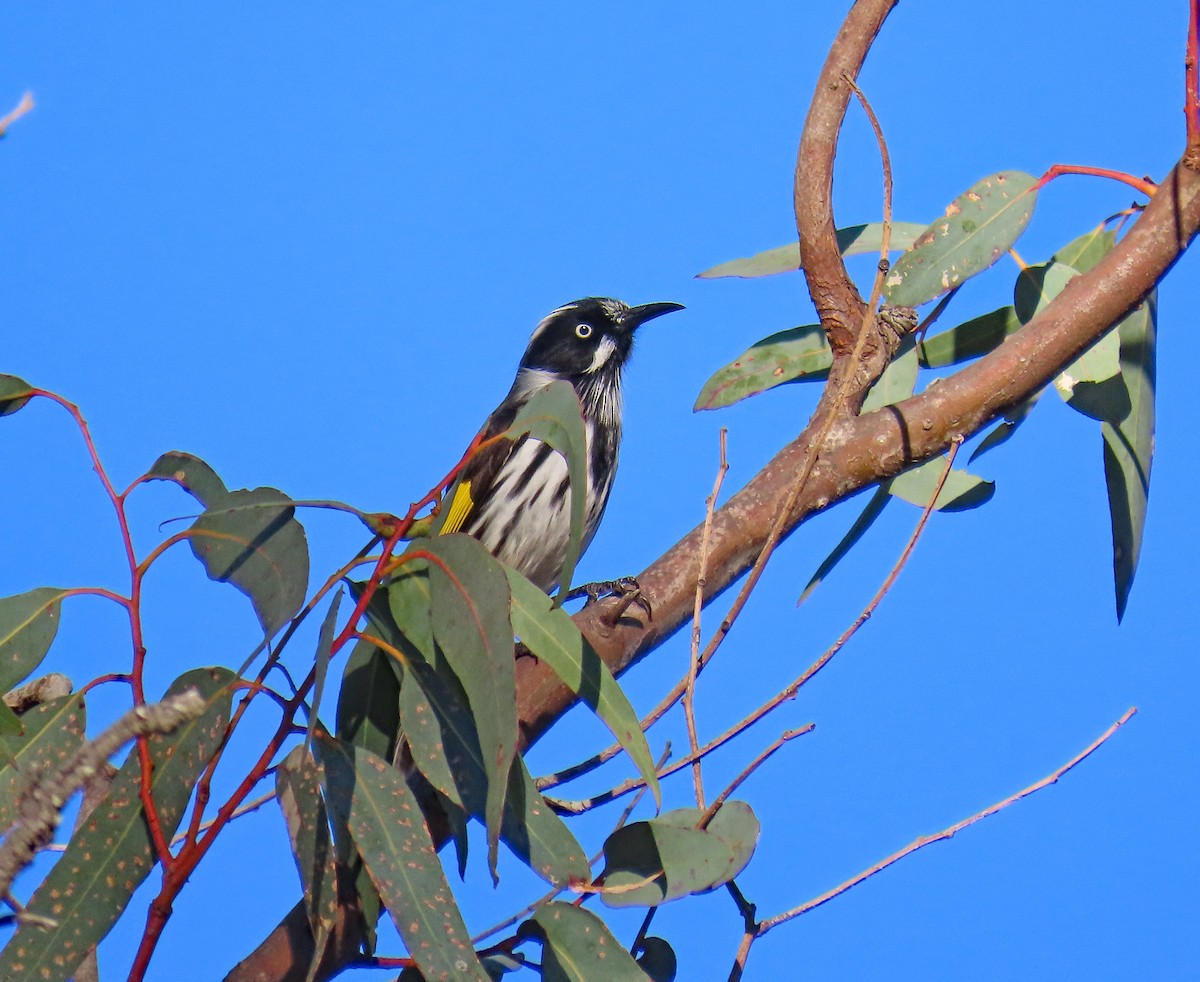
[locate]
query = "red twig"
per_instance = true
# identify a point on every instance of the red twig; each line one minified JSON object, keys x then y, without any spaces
{"x":18,"y":111}
{"x":1142,"y":184}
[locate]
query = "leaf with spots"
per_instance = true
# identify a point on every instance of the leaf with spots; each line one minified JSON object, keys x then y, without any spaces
{"x":979,"y":227}
{"x":298,"y":791}
{"x":578,"y":947}
{"x":14,"y":394}
{"x":470,"y":610}
{"x":111,"y":854}
{"x":28,"y":623}
{"x":191,"y":473}
{"x":552,"y":636}
{"x":852,"y":240}
{"x":801,"y":354}
{"x":538,"y":836}
{"x":382,"y":814}
{"x":52,"y":732}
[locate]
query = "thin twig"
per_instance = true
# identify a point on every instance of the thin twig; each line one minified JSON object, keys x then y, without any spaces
{"x":925,"y":840}
{"x":755,"y":764}
{"x":689,"y":695}
{"x":18,"y":111}
{"x":1142,"y":184}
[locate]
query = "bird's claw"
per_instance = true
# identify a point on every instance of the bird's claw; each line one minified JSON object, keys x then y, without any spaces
{"x":625,"y":590}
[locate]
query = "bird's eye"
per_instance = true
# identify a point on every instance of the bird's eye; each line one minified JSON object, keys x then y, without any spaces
{"x":583,"y":330}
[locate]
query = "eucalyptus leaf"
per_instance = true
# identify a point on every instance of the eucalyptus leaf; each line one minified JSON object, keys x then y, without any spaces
{"x":979,"y":227}
{"x":796,"y":355}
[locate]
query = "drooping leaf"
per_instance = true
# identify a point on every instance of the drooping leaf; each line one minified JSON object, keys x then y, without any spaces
{"x":368,"y":717}
{"x":384,"y":817}
{"x":798,"y":354}
{"x":190,"y":473}
{"x":553,"y":415}
{"x":852,"y":240}
{"x":970,"y":339}
{"x":978,"y":228}
{"x":321,"y":662}
{"x":961,"y":491}
{"x":1129,"y":446}
{"x":53,"y":731}
{"x":865,"y":520}
{"x":252,"y":540}
{"x":470,"y":609}
{"x":537,"y":836}
{"x":28,"y":623}
{"x":578,"y":947}
{"x":298,"y":791}
{"x":1098,"y":364}
{"x":898,"y":380}
{"x":14,"y":394}
{"x":657,"y":959}
{"x":110,"y":855}
{"x":552,"y":636}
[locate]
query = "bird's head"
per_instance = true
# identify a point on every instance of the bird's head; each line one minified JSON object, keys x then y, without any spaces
{"x":590,"y":337}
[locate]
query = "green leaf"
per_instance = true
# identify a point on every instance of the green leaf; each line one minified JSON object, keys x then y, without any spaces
{"x":799,"y":354}
{"x":865,"y":520}
{"x":470,"y":604}
{"x":553,"y":415}
{"x":650,"y":863}
{"x":252,"y":540}
{"x":14,"y":394}
{"x":1099,"y":363}
{"x":898,"y":380}
{"x":367,"y":716}
{"x":111,"y":854}
{"x":961,"y":491}
{"x":321,"y":663}
{"x":537,"y":836}
{"x":367,"y":713}
{"x":578,"y":947}
{"x":552,"y":636}
{"x":852,"y":240}
{"x":379,"y":808}
{"x":28,"y":623}
{"x":657,"y":959}
{"x":53,"y":732}
{"x":1084,"y":252}
{"x":970,"y":339}
{"x":298,"y":791}
{"x":1037,"y":285}
{"x":978,"y":228}
{"x":190,"y":473}
{"x":1129,"y":446}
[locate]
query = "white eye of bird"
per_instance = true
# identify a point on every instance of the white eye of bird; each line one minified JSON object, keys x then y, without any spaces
{"x":583,"y":330}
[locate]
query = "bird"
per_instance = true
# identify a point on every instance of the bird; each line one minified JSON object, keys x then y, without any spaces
{"x":513,"y":495}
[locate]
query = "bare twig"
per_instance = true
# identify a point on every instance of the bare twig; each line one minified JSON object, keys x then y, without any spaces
{"x":755,"y":764}
{"x":925,"y":840}
{"x":18,"y":111}
{"x":689,"y":695}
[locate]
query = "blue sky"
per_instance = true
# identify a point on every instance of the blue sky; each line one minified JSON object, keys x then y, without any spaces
{"x":309,"y":244}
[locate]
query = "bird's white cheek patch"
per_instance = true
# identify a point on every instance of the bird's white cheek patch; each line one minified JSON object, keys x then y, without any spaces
{"x":604,"y":351}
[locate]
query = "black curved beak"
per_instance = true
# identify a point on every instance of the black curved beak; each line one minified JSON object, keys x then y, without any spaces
{"x":637,"y":316}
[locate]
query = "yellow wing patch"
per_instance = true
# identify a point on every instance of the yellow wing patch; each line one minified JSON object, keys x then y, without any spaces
{"x":460,"y":508}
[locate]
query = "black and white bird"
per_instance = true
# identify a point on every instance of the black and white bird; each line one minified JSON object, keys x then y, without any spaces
{"x":513,"y":495}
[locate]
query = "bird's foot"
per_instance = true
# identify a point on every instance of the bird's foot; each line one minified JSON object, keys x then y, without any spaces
{"x":625,"y":590}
